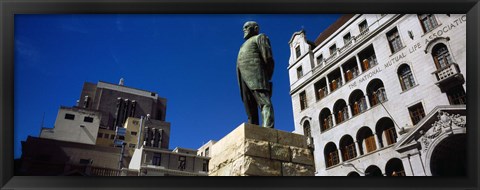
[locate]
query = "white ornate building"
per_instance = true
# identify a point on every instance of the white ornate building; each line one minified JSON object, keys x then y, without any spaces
{"x":383,"y":95}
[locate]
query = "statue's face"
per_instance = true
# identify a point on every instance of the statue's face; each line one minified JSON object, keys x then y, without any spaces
{"x":249,"y":30}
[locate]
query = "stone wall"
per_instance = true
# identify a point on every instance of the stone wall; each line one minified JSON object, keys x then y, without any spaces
{"x":250,"y":150}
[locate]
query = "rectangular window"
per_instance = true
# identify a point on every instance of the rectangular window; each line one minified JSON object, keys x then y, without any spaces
{"x":132,"y":145}
{"x":299,"y":72}
{"x":157,"y":158}
{"x":333,"y":49}
{"x":134,"y":133}
{"x":112,"y":136}
{"x":182,"y":161}
{"x":428,"y":22}
{"x":205,"y":166}
{"x":303,"y":100}
{"x":416,"y":113}
{"x":88,"y":119}
{"x":347,"y":38}
{"x":394,"y":40}
{"x":99,"y":135}
{"x":320,"y":60}
{"x":297,"y":52}
{"x":69,"y":116}
{"x":207,"y":152}
{"x":457,"y":95}
{"x":106,"y":135}
{"x":363,"y":27}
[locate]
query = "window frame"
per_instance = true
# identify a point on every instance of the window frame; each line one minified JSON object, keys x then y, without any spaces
{"x":88,"y":119}
{"x":431,"y":19}
{"x":394,"y":40}
{"x":156,"y":159}
{"x":406,"y":75}
{"x":67,"y":116}
{"x":346,"y":42}
{"x":303,"y":100}
{"x":362,"y":28}
{"x":299,"y":72}
{"x":298,"y":51}
{"x":416,"y":112}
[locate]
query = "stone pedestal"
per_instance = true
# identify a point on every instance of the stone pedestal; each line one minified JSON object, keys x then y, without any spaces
{"x":250,"y":150}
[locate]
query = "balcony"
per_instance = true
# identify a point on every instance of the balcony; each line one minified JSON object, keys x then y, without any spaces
{"x":362,"y":34}
{"x":449,"y":76}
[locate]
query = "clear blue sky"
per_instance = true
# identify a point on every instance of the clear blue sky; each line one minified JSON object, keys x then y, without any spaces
{"x":188,"y":59}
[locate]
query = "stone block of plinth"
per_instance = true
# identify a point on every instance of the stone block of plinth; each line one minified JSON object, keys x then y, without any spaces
{"x":251,"y":150}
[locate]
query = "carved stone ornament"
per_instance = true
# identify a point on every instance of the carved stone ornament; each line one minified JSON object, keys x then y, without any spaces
{"x":445,"y":123}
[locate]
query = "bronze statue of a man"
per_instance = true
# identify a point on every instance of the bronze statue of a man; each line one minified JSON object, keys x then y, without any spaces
{"x":254,"y":72}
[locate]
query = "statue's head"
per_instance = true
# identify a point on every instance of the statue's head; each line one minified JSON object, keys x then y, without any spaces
{"x":250,"y":29}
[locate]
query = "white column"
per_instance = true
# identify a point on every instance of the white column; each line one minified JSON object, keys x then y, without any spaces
{"x":349,"y":111}
{"x":334,"y":120}
{"x":358,"y":148}
{"x":340,"y":155}
{"x":328,"y":85}
{"x":359,"y":64}
{"x":342,"y":75}
{"x":376,"y":140}
{"x":367,"y":101}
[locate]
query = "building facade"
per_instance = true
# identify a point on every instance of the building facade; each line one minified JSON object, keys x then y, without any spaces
{"x":383,"y":94}
{"x":118,"y":102}
{"x":113,"y":131}
{"x":74,"y":125}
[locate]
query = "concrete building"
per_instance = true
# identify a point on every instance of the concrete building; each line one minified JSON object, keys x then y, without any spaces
{"x":106,"y":118}
{"x":148,"y":161}
{"x":48,"y":157}
{"x":383,"y":94}
{"x":118,"y":102}
{"x":205,"y":150}
{"x":74,"y":125}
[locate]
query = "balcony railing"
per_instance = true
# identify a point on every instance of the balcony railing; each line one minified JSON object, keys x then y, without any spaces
{"x":378,"y":96}
{"x":359,"y":106}
{"x":362,"y":34}
{"x":336,"y":83}
{"x":351,"y":73}
{"x":342,"y":115}
{"x":327,"y":123}
{"x":99,"y":171}
{"x":447,"y":72}
{"x":322,"y":92}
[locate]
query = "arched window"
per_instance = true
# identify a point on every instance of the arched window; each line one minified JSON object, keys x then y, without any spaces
{"x":373,"y":171}
{"x":357,"y":102}
{"x":353,"y":174}
{"x":376,"y":92}
{"x":331,"y":154}
{"x":306,"y":129}
{"x":386,"y":132}
{"x":394,"y":167}
{"x":441,"y":56}
{"x":340,"y":110}
{"x":366,"y":140}
{"x":326,"y":120}
{"x":406,"y":77}
{"x":347,"y":146}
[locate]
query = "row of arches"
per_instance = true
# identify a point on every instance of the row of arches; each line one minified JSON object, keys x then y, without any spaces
{"x":394,"y":167}
{"x":364,"y":142}
{"x":357,"y":103}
